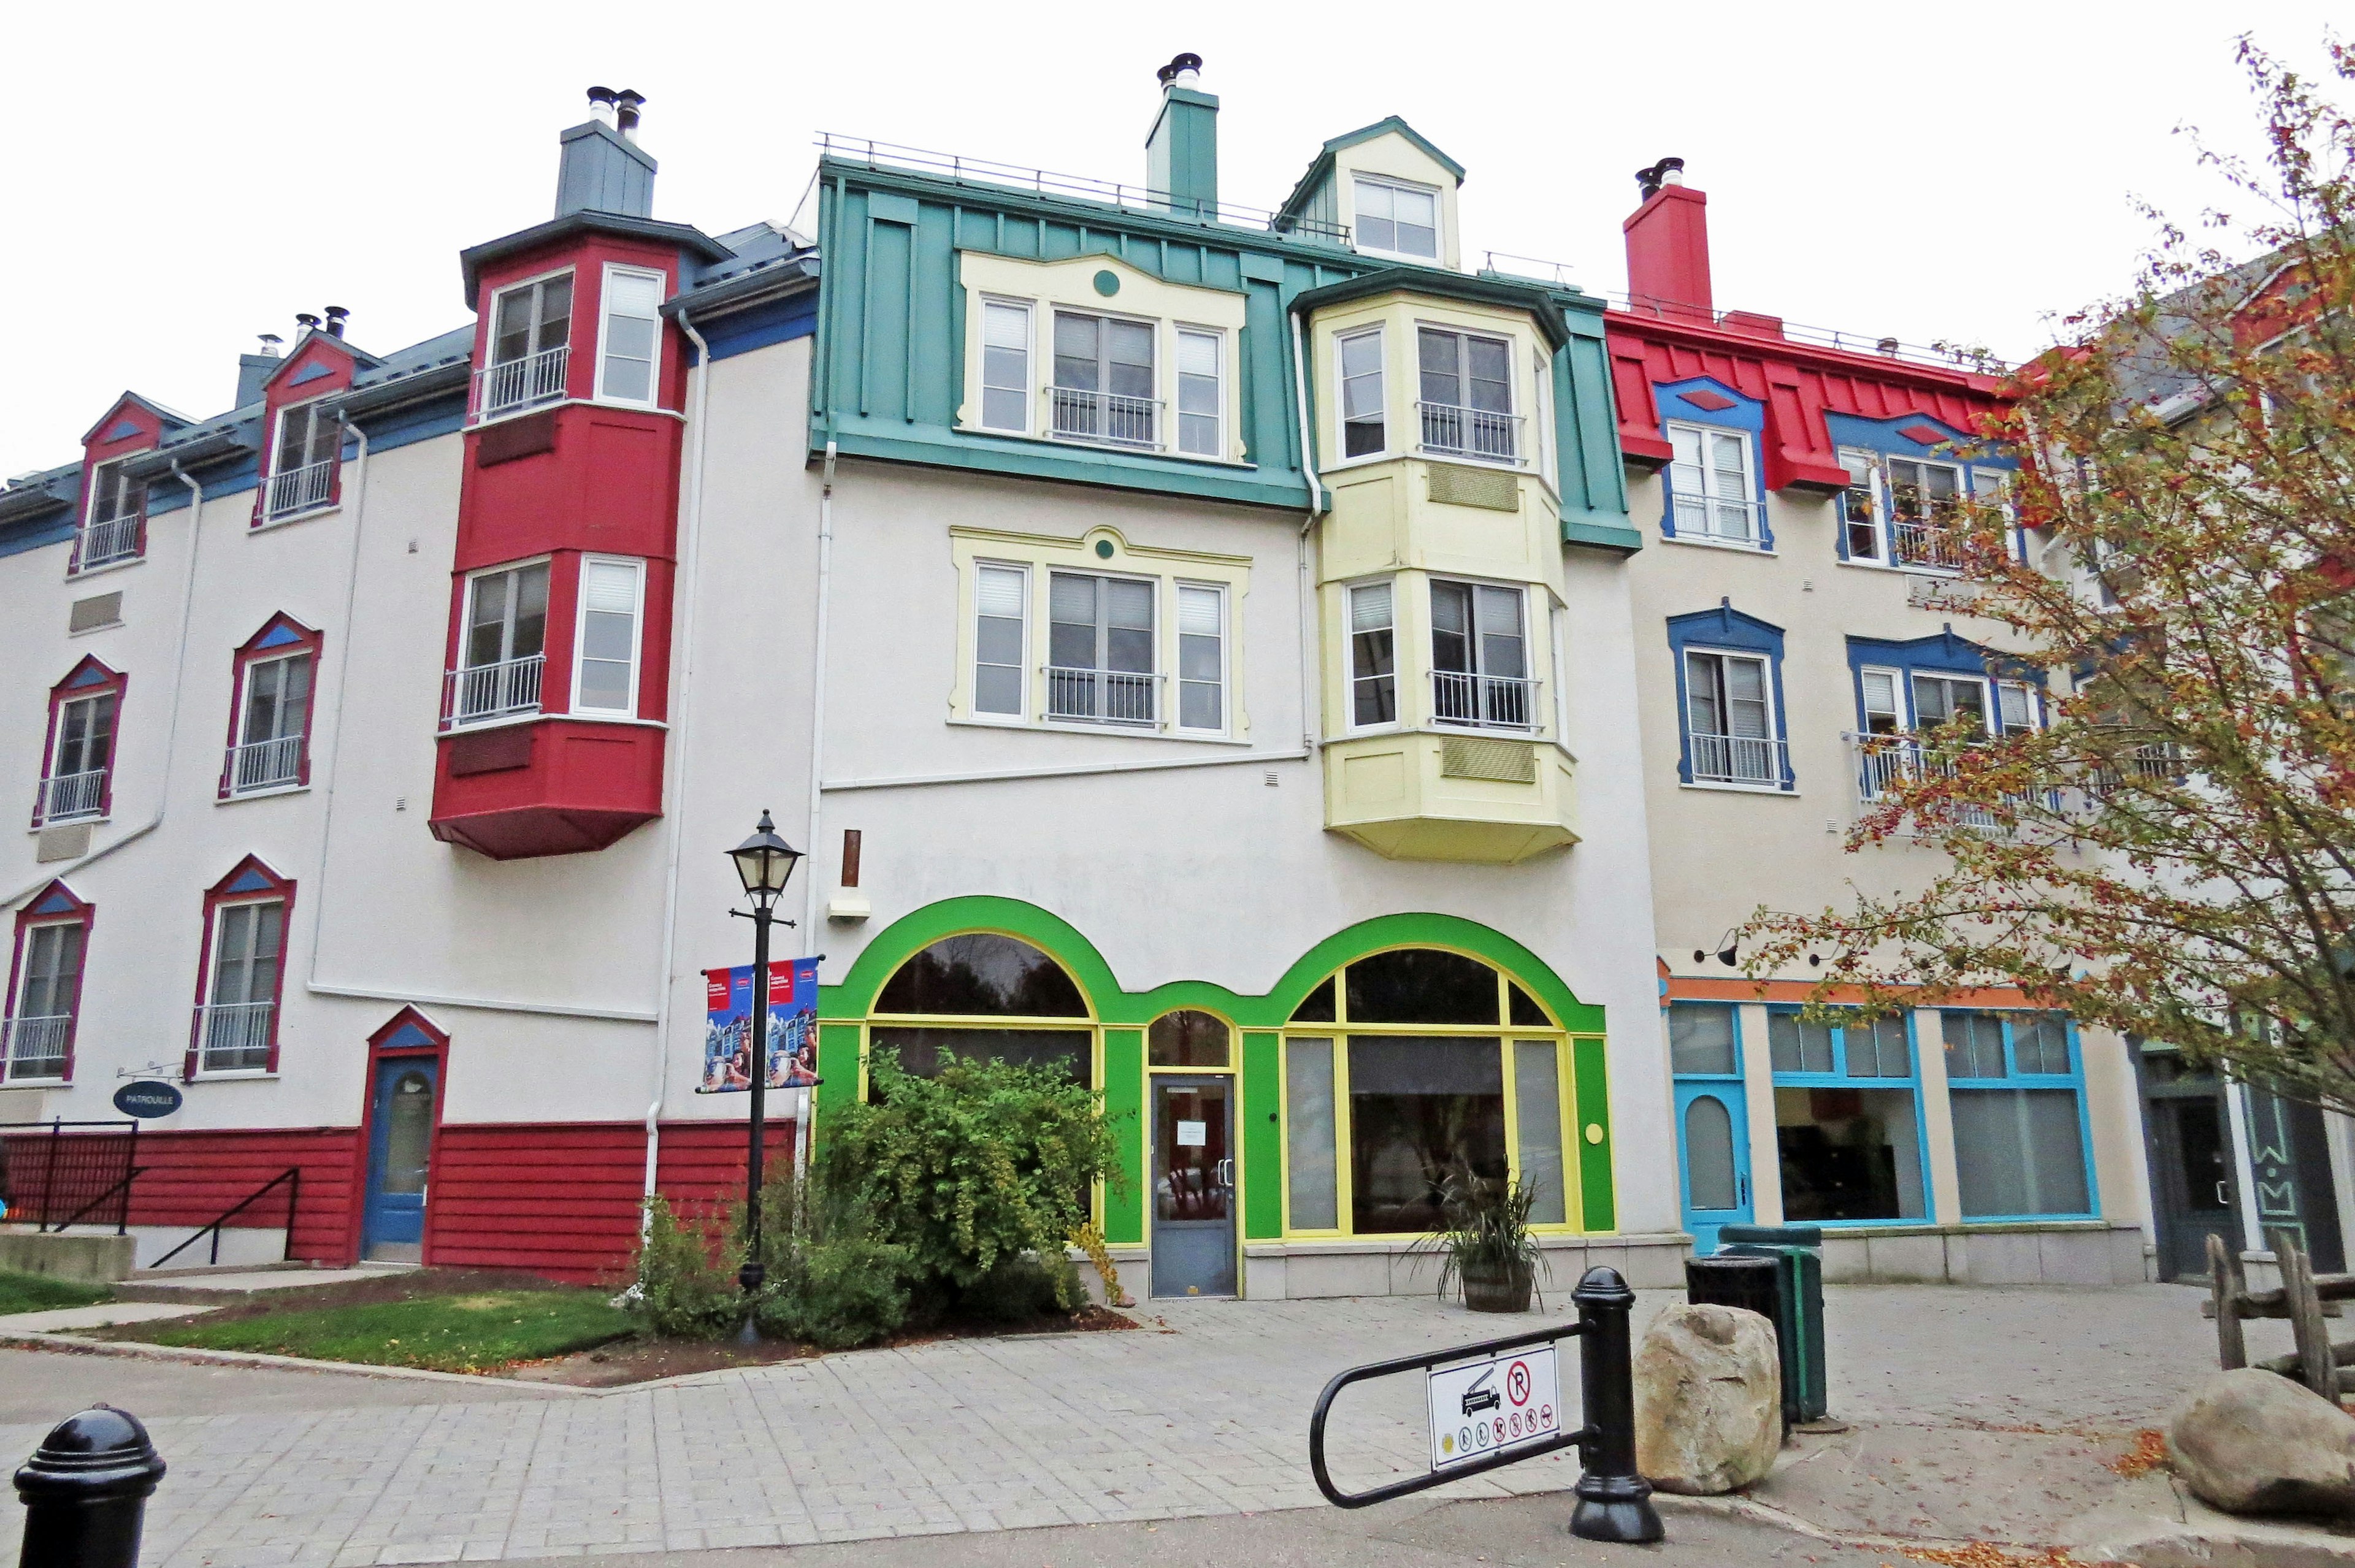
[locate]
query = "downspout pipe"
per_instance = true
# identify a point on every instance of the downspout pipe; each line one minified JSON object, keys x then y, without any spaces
{"x":682,"y":644}
{"x":816,"y":776}
{"x":1312,"y":686}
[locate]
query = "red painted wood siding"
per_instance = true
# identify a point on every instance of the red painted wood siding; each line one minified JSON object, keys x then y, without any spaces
{"x":190,"y":1179}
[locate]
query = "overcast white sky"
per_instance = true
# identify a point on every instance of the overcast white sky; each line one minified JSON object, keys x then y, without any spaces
{"x":182,"y":177}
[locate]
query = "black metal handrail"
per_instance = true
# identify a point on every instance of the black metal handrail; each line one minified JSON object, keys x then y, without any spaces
{"x":124,"y":1186}
{"x":1614,"y":1502}
{"x":66,"y":1165}
{"x":291,"y":1176}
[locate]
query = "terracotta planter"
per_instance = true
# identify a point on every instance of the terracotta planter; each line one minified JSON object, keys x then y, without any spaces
{"x":1496,"y":1289}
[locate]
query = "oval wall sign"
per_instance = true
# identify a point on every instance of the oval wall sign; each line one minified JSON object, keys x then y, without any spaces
{"x":146,"y":1099}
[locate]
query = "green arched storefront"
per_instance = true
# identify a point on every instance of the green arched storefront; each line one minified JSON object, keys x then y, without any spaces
{"x":1564,"y":1054}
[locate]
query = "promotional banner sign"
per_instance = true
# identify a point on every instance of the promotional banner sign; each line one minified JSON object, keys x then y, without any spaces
{"x":728,"y":1023}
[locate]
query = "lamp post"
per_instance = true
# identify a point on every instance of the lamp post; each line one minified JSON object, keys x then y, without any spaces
{"x":765,"y":863}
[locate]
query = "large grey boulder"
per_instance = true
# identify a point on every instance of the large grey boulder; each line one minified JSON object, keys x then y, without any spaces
{"x":2254,"y":1442}
{"x":1708,"y":1400}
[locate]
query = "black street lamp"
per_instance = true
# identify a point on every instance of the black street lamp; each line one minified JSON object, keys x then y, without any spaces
{"x":765,"y":863}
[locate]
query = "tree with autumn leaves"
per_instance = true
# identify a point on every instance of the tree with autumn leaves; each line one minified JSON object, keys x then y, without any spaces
{"x":2172,"y":854}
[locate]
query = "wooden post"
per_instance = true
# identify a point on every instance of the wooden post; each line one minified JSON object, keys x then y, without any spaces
{"x":2224,"y":1284}
{"x":2316,"y":1369}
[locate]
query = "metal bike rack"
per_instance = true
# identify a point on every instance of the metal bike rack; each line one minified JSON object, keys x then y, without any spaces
{"x":1614,"y":1502}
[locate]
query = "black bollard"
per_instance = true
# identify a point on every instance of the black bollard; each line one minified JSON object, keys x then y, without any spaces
{"x":85,"y":1492}
{"x":1614,"y":1502}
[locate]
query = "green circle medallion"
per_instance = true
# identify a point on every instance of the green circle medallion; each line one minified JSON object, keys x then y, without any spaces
{"x":1103,"y":547}
{"x":1107,"y":283}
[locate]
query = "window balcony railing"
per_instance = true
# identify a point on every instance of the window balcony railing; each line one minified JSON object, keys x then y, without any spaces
{"x":1883,"y":761}
{"x":1106,"y":418}
{"x":235,"y":1036}
{"x":2158,"y":762}
{"x":265,"y":764}
{"x":1103,"y":696}
{"x":71,"y":797}
{"x":1932,"y":545}
{"x":1489,"y":701}
{"x":1739,"y":759}
{"x":521,"y":383}
{"x":300,"y":489}
{"x":1482,"y":434}
{"x":106,"y":542}
{"x":483,"y":692}
{"x":1726,"y":520}
{"x":37,"y":1045}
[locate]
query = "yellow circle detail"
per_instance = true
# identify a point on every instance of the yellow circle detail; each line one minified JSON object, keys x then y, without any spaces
{"x":1594,"y":1132}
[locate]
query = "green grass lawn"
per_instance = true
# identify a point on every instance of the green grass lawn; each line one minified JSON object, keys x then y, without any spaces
{"x":445,"y":1333}
{"x":40,"y":1293}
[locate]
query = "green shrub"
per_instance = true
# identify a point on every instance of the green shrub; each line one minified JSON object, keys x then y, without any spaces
{"x":1018,"y":1290}
{"x":987,"y":1162}
{"x":685,"y":1285}
{"x":839,"y":1294}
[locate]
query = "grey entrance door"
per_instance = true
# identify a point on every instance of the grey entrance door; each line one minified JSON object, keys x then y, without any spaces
{"x":1193,"y":1186}
{"x":2193,"y":1162}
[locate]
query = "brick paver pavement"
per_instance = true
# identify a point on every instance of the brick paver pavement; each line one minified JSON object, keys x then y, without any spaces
{"x":1203,"y":1412}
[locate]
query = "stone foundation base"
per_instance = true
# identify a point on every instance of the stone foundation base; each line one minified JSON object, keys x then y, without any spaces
{"x":2090,"y":1252}
{"x":91,"y":1256}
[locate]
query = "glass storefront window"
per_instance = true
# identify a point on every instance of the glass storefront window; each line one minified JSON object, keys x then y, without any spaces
{"x":1309,"y":1134}
{"x":1537,"y":1104}
{"x":1189,"y":1039}
{"x":1421,"y":1109}
{"x":920,"y":1048}
{"x":1700,"y":1040}
{"x":1421,"y":985}
{"x":983,"y":976}
{"x":2019,"y":1152}
{"x":1848,"y":1154}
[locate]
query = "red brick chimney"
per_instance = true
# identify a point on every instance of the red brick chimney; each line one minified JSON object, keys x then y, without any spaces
{"x":1667,"y":245}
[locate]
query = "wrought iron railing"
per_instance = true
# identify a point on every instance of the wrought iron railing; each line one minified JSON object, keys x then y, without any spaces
{"x":37,"y":1045}
{"x":300,"y":489}
{"x":265,"y":764}
{"x":488,"y":691}
{"x":1481,"y":433}
{"x":1935,"y":545}
{"x":1737,"y":759}
{"x":68,"y":798}
{"x":521,"y":383}
{"x":107,"y":541}
{"x":1103,"y":696}
{"x":1725,"y":519}
{"x":1106,"y":417}
{"x":1883,"y":761}
{"x":235,"y":1035}
{"x":1492,"y":702}
{"x":64,"y":1173}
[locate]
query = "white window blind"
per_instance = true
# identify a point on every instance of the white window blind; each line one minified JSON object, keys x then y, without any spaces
{"x":608,"y":676}
{"x":1401,"y":219}
{"x":1881,"y":714}
{"x":1198,"y":402}
{"x":998,"y":593}
{"x":2018,"y":708}
{"x":1373,"y":656}
{"x":1201,"y":658}
{"x":633,"y":329}
{"x":1006,"y":366}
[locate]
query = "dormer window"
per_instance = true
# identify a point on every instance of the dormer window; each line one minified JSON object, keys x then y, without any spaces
{"x":303,"y":463}
{"x":111,"y":527}
{"x":531,"y":337}
{"x":1103,"y":380}
{"x":1396,"y":218}
{"x":628,"y":350}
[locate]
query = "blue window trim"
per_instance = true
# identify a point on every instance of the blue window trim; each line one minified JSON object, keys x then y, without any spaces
{"x":1838,"y":1079}
{"x":1942,"y":653}
{"x":2073,"y":1080}
{"x":1727,"y":628}
{"x":1885,"y":438}
{"x":1733,"y":1077}
{"x":1747,"y":415}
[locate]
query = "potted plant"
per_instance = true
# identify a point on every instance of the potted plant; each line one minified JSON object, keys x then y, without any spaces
{"x":1485,"y":1242}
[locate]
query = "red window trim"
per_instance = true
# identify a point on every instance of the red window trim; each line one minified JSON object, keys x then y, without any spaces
{"x":251,"y":652}
{"x":89,"y":504}
{"x":67,"y":691}
{"x":81,"y":913}
{"x":220,"y":894}
{"x":280,"y":393}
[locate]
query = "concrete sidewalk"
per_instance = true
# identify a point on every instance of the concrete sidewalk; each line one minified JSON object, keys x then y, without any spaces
{"x":1982,"y":1413}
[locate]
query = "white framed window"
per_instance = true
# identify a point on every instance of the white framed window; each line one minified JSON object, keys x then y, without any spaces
{"x":271,"y":717}
{"x":1710,"y":489}
{"x":1923,"y":501}
{"x":605,"y":642}
{"x":304,"y":460}
{"x":1103,"y":383}
{"x":1480,"y":655}
{"x":531,"y":339}
{"x":1941,"y":700}
{"x":1465,"y":394}
{"x":2015,"y":706}
{"x":1373,"y":656}
{"x":1201,"y":657}
{"x":1000,"y":605}
{"x":76,"y":787}
{"x":1884,"y":710}
{"x":1730,"y":719}
{"x":503,"y":644}
{"x":1360,"y":358}
{"x":1201,"y":400}
{"x":1099,"y":648}
{"x":629,"y":344}
{"x":241,"y":999}
{"x":1005,"y":366}
{"x":1860,"y":512}
{"x":48,"y":993}
{"x":1396,"y":218}
{"x":110,"y":526}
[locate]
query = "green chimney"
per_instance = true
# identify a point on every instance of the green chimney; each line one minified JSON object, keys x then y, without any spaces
{"x":1181,"y":156}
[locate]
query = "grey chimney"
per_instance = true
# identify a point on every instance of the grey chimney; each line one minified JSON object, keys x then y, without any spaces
{"x":253,"y":370}
{"x":601,"y":167}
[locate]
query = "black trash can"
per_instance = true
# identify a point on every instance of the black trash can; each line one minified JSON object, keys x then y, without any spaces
{"x":1753,"y":1284}
{"x":1797,"y":1251}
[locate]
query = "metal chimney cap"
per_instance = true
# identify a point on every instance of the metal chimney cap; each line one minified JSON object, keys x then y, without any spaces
{"x":336,"y":316}
{"x":1181,"y":65}
{"x":306,"y":321}
{"x":628,"y":104}
{"x":1667,"y":171}
{"x":269,"y":342}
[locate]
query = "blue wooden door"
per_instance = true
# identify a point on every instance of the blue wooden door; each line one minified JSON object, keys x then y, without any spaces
{"x":1713,"y":1138}
{"x":400,"y":1139}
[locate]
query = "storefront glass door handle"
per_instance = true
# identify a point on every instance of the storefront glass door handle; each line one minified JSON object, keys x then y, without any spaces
{"x":2223,"y":1198}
